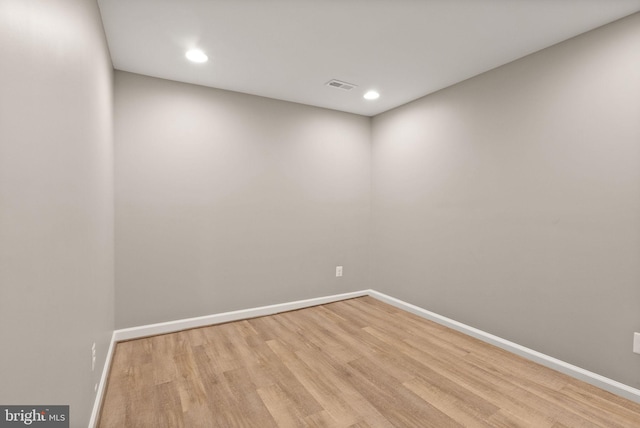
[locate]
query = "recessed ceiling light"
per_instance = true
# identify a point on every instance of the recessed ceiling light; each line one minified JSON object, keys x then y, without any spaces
{"x":371,"y":95}
{"x":196,"y":55}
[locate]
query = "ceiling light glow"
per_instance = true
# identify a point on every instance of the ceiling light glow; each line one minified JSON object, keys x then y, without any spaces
{"x":196,"y":55}
{"x":371,"y":95}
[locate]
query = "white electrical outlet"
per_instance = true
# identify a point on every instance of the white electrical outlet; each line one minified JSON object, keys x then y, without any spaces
{"x":93,"y":356}
{"x":338,"y":270}
{"x":636,"y":343}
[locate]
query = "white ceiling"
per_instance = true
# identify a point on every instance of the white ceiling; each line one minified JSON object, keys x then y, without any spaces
{"x":289,"y":49}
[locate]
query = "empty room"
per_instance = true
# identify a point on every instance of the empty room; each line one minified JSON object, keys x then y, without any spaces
{"x":319,"y":213}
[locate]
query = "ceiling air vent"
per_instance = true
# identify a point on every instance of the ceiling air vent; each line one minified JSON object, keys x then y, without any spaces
{"x":340,"y":85}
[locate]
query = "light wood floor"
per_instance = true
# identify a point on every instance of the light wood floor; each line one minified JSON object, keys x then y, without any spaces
{"x":355,"y":363}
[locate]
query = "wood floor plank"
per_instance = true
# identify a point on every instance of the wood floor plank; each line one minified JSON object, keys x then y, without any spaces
{"x":398,"y":404}
{"x":354,"y":363}
{"x":246,"y":398}
{"x":281,"y":406}
{"x":458,"y":410}
{"x":321,"y":420}
{"x":340,"y":376}
{"x":327,"y":395}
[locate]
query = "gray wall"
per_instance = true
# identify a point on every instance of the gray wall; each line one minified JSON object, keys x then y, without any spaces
{"x":511,"y":201}
{"x":56,"y":202}
{"x":227,"y":201}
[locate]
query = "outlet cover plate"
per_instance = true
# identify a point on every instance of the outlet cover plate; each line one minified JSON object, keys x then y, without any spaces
{"x":636,"y":343}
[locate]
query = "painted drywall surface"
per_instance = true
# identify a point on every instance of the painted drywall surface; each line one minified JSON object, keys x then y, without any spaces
{"x":227,"y":201}
{"x":56,"y":203}
{"x":511,"y":201}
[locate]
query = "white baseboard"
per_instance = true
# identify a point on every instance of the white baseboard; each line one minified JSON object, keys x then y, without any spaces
{"x":178,"y":325}
{"x":95,"y":413}
{"x":594,"y":379}
{"x":185,"y":324}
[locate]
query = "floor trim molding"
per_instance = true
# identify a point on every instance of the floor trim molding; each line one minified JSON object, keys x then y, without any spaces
{"x":102,"y":386}
{"x":595,"y":379}
{"x":592,"y":378}
{"x":185,"y":324}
